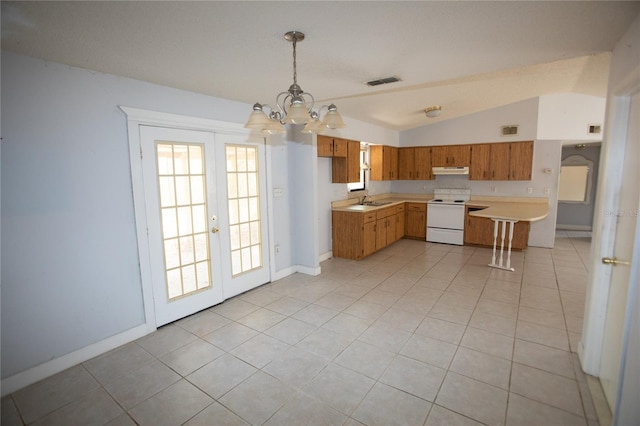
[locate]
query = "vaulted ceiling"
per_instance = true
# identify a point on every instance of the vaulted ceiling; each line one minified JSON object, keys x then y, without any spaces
{"x":465,"y":56}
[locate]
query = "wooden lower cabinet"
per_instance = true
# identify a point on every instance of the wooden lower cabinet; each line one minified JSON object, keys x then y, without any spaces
{"x":386,"y":225}
{"x":479,"y":231}
{"x":358,"y":234}
{"x":369,"y":238}
{"x":415,"y":221}
{"x":400,"y":221}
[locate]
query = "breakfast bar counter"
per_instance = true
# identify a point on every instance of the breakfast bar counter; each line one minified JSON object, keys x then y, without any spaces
{"x":508,"y":212}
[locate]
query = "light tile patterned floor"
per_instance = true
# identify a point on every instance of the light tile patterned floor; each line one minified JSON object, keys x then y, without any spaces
{"x":417,"y":334}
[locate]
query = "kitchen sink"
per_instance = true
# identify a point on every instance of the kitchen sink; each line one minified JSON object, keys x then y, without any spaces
{"x":376,"y":203}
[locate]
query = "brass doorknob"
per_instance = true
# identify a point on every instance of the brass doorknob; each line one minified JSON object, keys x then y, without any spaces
{"x":613,"y":261}
{"x":214,"y":230}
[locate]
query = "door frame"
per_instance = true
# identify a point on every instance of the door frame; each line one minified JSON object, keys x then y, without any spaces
{"x":608,"y":196}
{"x":139,"y":117}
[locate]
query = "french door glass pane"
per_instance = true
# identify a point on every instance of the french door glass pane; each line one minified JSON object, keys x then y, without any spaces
{"x":184,"y":217}
{"x":244,"y":208}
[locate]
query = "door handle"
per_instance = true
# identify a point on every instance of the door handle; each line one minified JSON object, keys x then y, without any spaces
{"x":214,"y":230}
{"x":613,"y":261}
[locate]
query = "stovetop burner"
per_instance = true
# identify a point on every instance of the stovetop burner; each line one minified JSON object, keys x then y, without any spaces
{"x":450,"y":196}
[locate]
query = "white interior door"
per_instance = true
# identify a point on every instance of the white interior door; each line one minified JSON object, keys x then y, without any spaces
{"x":180,"y":198}
{"x":243,"y":212}
{"x":621,"y":276}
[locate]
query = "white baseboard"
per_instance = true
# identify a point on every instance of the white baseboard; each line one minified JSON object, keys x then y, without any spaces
{"x":284,"y":273}
{"x":325,"y":256}
{"x":561,"y":227}
{"x":296,"y":268}
{"x":49,"y":368}
{"x":309,"y":270}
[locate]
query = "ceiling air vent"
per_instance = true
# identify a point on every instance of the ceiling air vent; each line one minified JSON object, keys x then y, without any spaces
{"x":595,"y":129}
{"x":380,"y":81}
{"x":509,"y":130}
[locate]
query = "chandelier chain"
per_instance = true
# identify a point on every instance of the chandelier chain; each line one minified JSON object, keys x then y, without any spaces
{"x":295,"y":72}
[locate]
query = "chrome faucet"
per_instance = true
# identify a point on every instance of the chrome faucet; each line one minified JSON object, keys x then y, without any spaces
{"x":363,"y":199}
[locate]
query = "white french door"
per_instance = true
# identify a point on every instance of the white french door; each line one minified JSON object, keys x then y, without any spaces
{"x":197,"y":258}
{"x":242,"y":215}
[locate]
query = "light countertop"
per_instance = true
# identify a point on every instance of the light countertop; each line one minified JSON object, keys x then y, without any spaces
{"x":389,"y":200}
{"x":510,"y":208}
{"x":519,"y":210}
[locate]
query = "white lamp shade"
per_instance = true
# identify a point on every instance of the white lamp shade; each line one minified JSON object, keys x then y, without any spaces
{"x":312,"y":127}
{"x":333,"y":120}
{"x":297,"y":114}
{"x":273,"y":128}
{"x":257,"y":120}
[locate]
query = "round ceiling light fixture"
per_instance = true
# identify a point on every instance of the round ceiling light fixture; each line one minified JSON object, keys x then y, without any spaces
{"x":433,"y":111}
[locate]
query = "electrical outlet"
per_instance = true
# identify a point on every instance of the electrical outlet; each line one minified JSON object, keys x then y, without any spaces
{"x":530,"y":190}
{"x":494,"y":189}
{"x":546,"y":191}
{"x":277,"y":249}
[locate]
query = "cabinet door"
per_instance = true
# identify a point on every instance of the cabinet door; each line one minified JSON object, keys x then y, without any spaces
{"x":480,"y":162}
{"x":391,"y":229}
{"x":325,"y":146}
{"x":377,"y":165}
{"x":422,"y":163}
{"x":500,"y":161}
{"x":340,"y":147}
{"x":399,"y":225}
{"x":439,"y":156}
{"x":478,"y":230}
{"x":521,"y":161}
{"x":390,"y":163}
{"x":353,"y":161}
{"x":416,"y":220}
{"x":459,"y":155}
{"x":369,"y":238}
{"x":381,"y":233}
{"x":406,"y":163}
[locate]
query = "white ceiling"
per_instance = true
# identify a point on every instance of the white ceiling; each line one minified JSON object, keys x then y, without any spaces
{"x":465,"y":56}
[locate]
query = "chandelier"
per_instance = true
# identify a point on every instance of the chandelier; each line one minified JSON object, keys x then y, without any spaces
{"x":294,"y":106}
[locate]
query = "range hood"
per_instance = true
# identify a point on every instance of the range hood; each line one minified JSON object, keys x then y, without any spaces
{"x":450,"y":170}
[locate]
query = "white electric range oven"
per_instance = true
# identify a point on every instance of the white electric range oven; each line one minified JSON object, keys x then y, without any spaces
{"x":445,"y":216}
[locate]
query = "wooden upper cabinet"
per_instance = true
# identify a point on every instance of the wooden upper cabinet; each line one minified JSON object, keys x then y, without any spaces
{"x":384,"y":162}
{"x":521,"y":162}
{"x":422,"y":163}
{"x":331,"y":147}
{"x":480,"y":162}
{"x":414,"y":163}
{"x":450,"y":155}
{"x":500,"y":160}
{"x":347,"y":169}
{"x":406,"y":163}
{"x":393,"y":161}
